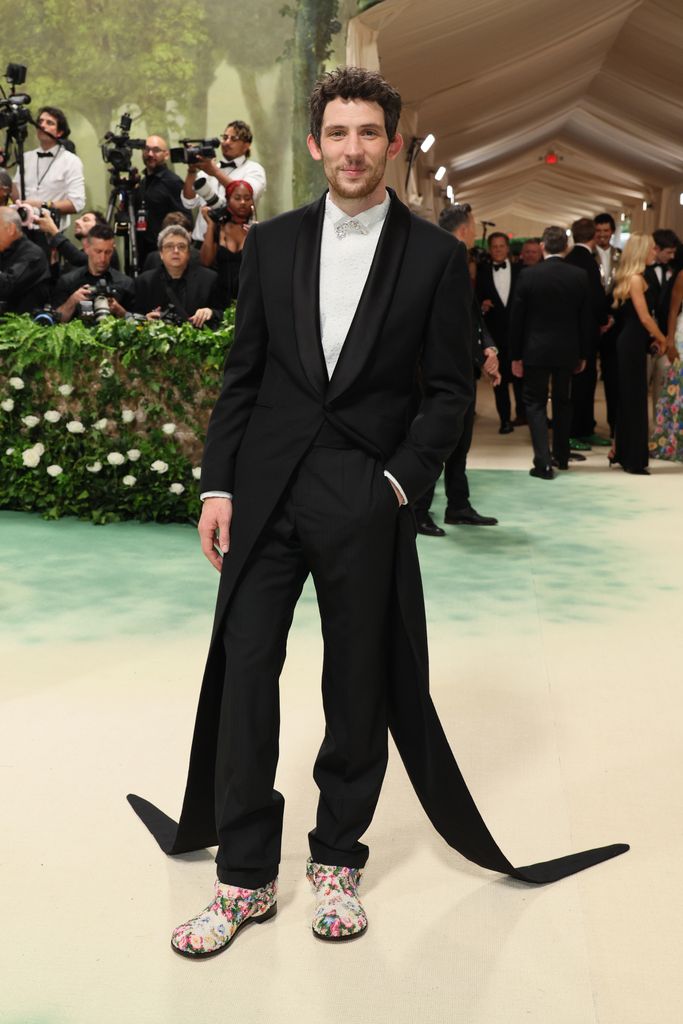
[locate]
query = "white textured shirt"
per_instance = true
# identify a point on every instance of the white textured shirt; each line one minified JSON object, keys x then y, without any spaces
{"x":57,"y":176}
{"x":502,"y":279}
{"x":244,"y":170}
{"x":344,"y":267}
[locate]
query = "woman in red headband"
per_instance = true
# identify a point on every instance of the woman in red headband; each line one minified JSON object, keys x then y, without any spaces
{"x":226,"y":232}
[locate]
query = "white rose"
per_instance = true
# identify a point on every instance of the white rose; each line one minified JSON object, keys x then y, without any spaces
{"x":54,"y":470}
{"x":75,"y":427}
{"x":52,"y":416}
{"x":127,"y":415}
{"x":30,"y":457}
{"x":100,"y":424}
{"x":116,"y":459}
{"x":176,"y":488}
{"x":7,"y":405}
{"x":94,"y":467}
{"x":158,"y":466}
{"x":65,"y":389}
{"x":40,"y":448}
{"x":133,"y":454}
{"x":168,"y":428}
{"x":196,"y":472}
{"x":9,"y":451}
{"x":129,"y":481}
{"x":16,"y":383}
{"x":30,"y":421}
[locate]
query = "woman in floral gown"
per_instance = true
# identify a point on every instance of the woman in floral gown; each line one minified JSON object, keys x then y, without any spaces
{"x":667,"y":437}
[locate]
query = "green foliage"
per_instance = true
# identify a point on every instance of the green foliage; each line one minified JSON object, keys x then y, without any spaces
{"x":123,"y":400}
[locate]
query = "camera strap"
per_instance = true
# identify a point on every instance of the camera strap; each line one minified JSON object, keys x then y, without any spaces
{"x":174,"y":300}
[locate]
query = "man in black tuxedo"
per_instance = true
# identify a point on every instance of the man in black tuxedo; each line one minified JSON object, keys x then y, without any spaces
{"x":582,"y":255}
{"x":607,"y":257}
{"x":192,"y":291}
{"x":496,"y":282}
{"x":659,"y":277}
{"x":341,"y":303}
{"x":550,"y":323}
{"x":459,"y":220}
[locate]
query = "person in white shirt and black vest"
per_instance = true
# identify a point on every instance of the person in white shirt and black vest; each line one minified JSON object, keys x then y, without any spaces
{"x":53,"y":174}
{"x":341,"y":303}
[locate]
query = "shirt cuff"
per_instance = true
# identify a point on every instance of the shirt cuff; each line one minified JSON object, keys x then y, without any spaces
{"x":397,"y":486}
{"x":215,"y":494}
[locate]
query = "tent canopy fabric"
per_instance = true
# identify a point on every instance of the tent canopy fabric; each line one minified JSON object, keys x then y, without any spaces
{"x":600,"y":84}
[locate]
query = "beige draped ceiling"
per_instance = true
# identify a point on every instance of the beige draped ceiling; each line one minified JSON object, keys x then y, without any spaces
{"x":502,"y":82}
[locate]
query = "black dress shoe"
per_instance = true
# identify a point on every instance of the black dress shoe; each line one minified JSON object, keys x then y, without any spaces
{"x":576,"y":457}
{"x":468,"y":517}
{"x":544,"y":473}
{"x":505,"y":427}
{"x":560,"y":465}
{"x":426,"y":525}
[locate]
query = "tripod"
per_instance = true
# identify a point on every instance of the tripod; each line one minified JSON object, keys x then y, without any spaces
{"x":121,"y":215}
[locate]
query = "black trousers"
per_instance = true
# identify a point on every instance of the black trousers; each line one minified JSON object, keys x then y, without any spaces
{"x":610,"y":376}
{"x":536,"y":382}
{"x":583,"y":398}
{"x":454,"y":471}
{"x":501,"y":395}
{"x":337,"y":521}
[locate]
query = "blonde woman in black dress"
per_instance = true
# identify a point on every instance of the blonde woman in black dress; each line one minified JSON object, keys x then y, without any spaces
{"x":639,"y":334}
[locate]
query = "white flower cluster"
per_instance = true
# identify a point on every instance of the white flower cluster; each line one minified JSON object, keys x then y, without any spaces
{"x":16,"y":383}
{"x":52,"y":416}
{"x":65,"y":389}
{"x":54,"y":470}
{"x":7,"y":405}
{"x":116,"y":459}
{"x":75,"y":427}
{"x":32,"y":456}
{"x":176,"y":488}
{"x":158,"y":466}
{"x":30,"y":421}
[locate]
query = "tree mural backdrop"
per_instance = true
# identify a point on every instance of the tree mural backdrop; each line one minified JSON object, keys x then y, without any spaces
{"x":160,"y":62}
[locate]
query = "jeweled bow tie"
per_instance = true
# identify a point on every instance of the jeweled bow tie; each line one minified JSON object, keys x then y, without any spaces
{"x":349,"y":227}
{"x":500,"y":266}
{"x":42,"y":155}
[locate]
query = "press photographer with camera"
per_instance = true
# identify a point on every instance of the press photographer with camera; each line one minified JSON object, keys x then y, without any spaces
{"x":179,"y":291}
{"x":53,"y":176}
{"x":235,"y":163}
{"x":61,"y":248}
{"x":80,"y":287}
{"x":24,"y":271}
{"x":226,"y":233}
{"x":157,"y":194}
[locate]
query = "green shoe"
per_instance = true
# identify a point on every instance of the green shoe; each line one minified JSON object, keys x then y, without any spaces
{"x":578,"y":446}
{"x":595,"y":439}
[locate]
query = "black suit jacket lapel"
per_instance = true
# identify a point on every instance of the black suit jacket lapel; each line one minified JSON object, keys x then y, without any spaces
{"x":375,"y":299}
{"x":306,"y":295}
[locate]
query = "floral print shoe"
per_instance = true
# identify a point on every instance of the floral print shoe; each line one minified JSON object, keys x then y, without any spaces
{"x":210,"y":932}
{"x":338,"y":913}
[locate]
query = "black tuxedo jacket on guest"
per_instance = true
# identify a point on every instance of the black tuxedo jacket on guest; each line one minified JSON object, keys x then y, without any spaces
{"x":413,"y":315}
{"x":551,"y":317}
{"x":659,"y":295}
{"x":599,"y":303}
{"x":197,"y":289}
{"x":24,"y":276}
{"x":497,"y":319}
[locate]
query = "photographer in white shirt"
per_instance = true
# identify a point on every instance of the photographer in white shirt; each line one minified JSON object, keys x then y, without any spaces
{"x":53,"y":175}
{"x":234,"y":163}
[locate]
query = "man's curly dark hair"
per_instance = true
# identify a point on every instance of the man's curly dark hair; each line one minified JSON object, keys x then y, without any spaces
{"x":349,"y":83}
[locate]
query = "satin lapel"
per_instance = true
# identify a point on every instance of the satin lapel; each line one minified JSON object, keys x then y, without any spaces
{"x":306,"y":295}
{"x":375,"y":299}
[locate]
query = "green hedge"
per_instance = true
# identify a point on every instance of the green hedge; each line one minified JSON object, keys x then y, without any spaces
{"x":106,"y":423}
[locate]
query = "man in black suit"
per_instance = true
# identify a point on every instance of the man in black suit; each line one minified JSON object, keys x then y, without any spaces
{"x":496,"y":282}
{"x":158,"y":194}
{"x":24,"y":272}
{"x":459,"y":220}
{"x":192,"y":291}
{"x":550,"y":323}
{"x":607,"y":257}
{"x":659,"y":277}
{"x":76,"y":287}
{"x":582,"y":255}
{"x":341,"y":303}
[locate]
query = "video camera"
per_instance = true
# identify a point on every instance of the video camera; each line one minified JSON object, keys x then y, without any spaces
{"x":14,"y":112}
{"x":117,"y":150}
{"x":192,"y":150}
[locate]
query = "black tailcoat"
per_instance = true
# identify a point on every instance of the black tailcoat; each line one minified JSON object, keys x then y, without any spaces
{"x":413,"y":314}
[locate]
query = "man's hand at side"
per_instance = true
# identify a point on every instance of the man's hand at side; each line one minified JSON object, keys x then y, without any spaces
{"x":215,"y":518}
{"x":517,"y":368}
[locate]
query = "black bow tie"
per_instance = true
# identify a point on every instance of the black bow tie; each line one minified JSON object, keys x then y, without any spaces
{"x":42,"y":155}
{"x":662,"y":265}
{"x":500,"y":266}
{"x":228,"y":163}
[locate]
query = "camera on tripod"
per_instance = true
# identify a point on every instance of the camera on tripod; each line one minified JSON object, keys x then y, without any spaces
{"x":191,"y":150}
{"x":14,"y":112}
{"x":117,"y":150}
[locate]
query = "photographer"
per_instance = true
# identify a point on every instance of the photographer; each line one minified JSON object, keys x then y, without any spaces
{"x":158,"y":194}
{"x":53,"y":176}
{"x":78,"y":286}
{"x":24,"y":273}
{"x":60,"y":246}
{"x":235,"y":163}
{"x":225,"y":236}
{"x":5,"y":188}
{"x":191,"y":290}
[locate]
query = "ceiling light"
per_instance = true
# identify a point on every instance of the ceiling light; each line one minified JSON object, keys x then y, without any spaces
{"x":450,"y":193}
{"x":427,"y":143}
{"x":440,"y":173}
